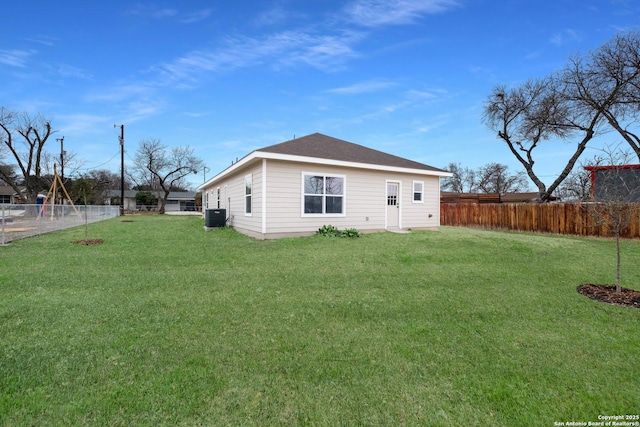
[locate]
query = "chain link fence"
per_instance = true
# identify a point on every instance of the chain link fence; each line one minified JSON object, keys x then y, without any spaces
{"x":20,"y":221}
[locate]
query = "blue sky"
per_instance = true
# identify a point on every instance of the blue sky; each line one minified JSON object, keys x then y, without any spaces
{"x":408,"y":77}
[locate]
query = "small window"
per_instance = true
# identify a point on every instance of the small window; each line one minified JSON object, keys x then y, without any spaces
{"x":218,"y":198}
{"x":418,"y":192}
{"x":323,"y":194}
{"x":392,"y":194}
{"x":248,"y":184}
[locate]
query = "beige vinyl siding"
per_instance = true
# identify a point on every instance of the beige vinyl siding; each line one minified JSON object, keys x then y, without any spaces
{"x":283,"y":197}
{"x":232,"y":199}
{"x":364,"y":199}
{"x":416,"y":215}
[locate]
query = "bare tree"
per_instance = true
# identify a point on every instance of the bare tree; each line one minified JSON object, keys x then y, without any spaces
{"x":608,"y":80}
{"x":72,"y":164}
{"x":23,"y":137}
{"x":540,"y":111}
{"x":616,"y":196}
{"x":576,"y":187}
{"x":462,"y":181}
{"x":490,"y":178}
{"x":495,"y":178}
{"x":161,"y":168}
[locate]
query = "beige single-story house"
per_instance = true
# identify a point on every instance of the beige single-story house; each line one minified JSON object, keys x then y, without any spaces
{"x":295,"y":187}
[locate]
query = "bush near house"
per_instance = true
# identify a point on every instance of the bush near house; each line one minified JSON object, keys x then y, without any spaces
{"x":332,"y":231}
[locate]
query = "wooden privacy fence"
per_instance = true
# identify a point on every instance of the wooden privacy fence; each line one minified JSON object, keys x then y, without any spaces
{"x":558,"y":218}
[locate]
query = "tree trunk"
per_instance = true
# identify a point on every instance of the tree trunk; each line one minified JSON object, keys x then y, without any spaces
{"x":618,"y":285}
{"x":163,"y":202}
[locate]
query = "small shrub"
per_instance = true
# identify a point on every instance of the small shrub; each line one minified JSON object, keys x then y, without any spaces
{"x":328,"y":231}
{"x":332,"y":231}
{"x":350,"y":232}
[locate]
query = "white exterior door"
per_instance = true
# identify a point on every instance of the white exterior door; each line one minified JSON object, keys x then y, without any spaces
{"x":393,"y":205}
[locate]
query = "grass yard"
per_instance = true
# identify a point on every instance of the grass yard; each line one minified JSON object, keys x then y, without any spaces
{"x":165,"y":324}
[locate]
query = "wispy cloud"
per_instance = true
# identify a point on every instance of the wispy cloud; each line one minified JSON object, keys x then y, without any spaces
{"x":564,"y":37}
{"x":82,"y":123}
{"x":381,"y":111}
{"x":278,"y":50}
{"x":15,"y":58}
{"x":197,"y":16}
{"x":43,"y":40}
{"x":533,"y":56}
{"x":197,"y":115}
{"x":372,"y":13}
{"x":425,"y":95}
{"x":433,"y":124}
{"x":143,"y":108}
{"x":276,"y":16}
{"x":66,"y":71}
{"x":151,"y":11}
{"x":364,"y":87}
{"x":121,"y":92}
{"x":155,"y":12}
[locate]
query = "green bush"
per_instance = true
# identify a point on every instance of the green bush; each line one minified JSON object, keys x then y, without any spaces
{"x":328,"y":231}
{"x":332,"y":231}
{"x":146,"y":198}
{"x":350,"y":232}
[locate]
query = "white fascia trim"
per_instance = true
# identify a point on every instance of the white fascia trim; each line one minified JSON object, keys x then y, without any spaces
{"x":318,"y":160}
{"x":329,"y":162}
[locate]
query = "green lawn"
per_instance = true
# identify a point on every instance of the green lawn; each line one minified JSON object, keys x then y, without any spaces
{"x":165,"y":324}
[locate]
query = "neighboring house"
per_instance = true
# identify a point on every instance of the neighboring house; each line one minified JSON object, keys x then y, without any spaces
{"x":8,"y":195}
{"x":295,"y":187}
{"x":176,"y":202}
{"x":615,"y":183}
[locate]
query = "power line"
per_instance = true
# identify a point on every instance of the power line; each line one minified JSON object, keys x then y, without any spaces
{"x":100,"y":165}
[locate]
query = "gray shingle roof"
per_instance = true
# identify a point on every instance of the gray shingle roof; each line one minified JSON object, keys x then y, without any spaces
{"x":325,"y":147}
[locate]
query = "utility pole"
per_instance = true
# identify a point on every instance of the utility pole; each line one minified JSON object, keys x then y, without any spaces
{"x":121,"y":138}
{"x":62,"y":153}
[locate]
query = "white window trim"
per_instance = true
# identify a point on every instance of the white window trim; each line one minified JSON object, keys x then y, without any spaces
{"x":413,"y":192}
{"x":250,"y":178}
{"x":218,"y":198}
{"x":324,"y":215}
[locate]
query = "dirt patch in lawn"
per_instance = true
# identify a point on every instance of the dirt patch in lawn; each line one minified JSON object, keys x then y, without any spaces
{"x":607,"y":294}
{"x":88,"y":242}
